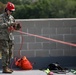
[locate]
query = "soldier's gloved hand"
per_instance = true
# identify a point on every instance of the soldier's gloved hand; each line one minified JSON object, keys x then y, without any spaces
{"x":18,"y":26}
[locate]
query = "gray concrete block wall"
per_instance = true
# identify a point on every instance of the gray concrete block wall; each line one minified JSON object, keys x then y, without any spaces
{"x":63,"y":29}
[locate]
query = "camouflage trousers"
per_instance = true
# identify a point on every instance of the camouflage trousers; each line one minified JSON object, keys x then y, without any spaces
{"x":6,"y":51}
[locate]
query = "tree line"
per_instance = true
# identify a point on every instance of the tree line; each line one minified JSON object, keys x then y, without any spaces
{"x":28,"y":9}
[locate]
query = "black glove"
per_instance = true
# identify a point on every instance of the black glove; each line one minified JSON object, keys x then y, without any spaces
{"x":18,"y":26}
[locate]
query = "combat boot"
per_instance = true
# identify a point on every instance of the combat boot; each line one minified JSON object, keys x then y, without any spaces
{"x":10,"y":69}
{"x":6,"y":70}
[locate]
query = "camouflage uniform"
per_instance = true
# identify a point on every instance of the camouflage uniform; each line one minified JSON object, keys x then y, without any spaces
{"x":6,"y":38}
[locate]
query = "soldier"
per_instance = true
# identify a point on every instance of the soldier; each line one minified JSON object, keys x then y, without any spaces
{"x":7,"y":26}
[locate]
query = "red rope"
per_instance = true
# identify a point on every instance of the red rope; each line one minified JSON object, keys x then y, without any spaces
{"x":50,"y":39}
{"x":18,"y":49}
{"x":20,"y":44}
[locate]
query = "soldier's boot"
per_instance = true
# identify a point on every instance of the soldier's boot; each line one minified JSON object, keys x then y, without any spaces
{"x":6,"y":70}
{"x":10,"y":69}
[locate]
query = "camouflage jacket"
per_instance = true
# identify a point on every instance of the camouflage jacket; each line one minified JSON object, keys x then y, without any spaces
{"x":5,"y":22}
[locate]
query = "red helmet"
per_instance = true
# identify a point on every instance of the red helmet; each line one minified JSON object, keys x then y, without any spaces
{"x":10,"y":6}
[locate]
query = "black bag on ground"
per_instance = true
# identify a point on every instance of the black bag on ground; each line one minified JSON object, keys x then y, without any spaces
{"x":55,"y":66}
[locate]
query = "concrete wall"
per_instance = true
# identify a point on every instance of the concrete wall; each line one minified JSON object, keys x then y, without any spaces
{"x":44,"y":51}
